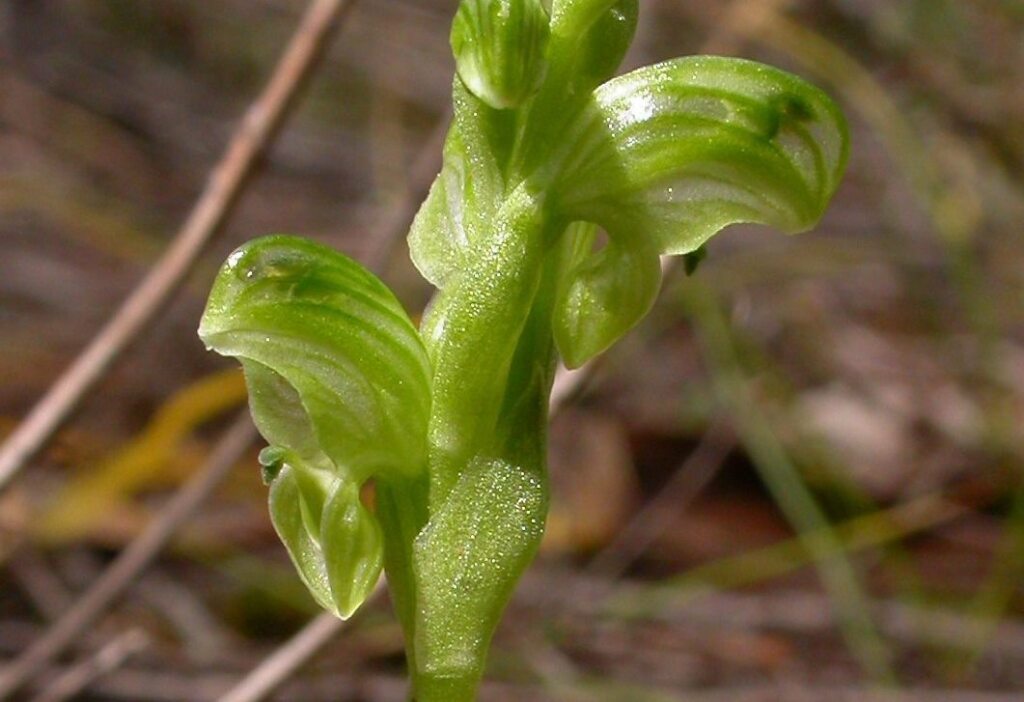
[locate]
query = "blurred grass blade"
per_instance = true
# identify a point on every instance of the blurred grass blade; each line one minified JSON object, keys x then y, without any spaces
{"x":787,"y":487}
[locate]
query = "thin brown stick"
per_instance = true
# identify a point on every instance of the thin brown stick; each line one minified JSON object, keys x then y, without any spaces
{"x":111,"y":657}
{"x":688,"y":480}
{"x":199,"y":630}
{"x":143,"y":685}
{"x":421,"y":174}
{"x":223,"y":188}
{"x":803,"y":693}
{"x":40,"y":584}
{"x":279,"y":666}
{"x":132,"y":560}
{"x":284,"y":661}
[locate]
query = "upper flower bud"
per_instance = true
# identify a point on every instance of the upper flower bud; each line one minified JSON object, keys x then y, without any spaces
{"x":499,"y":48}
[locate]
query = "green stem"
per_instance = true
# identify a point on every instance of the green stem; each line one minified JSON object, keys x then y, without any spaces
{"x":513,"y":476}
{"x":471,"y":334}
{"x":428,"y":688}
{"x":402,"y":511}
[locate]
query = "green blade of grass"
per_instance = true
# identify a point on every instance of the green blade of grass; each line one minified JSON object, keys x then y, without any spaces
{"x":783,"y":481}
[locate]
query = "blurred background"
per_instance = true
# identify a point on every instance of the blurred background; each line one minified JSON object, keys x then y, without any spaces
{"x":798,"y":479}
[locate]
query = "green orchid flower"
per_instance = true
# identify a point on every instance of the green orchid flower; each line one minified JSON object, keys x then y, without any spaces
{"x":449,"y":421}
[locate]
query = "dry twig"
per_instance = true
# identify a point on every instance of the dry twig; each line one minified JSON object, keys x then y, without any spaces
{"x":222,"y":190}
{"x":283,"y":662}
{"x":421,"y":173}
{"x":39,"y":583}
{"x":687,"y":481}
{"x":131,"y":561}
{"x":280,"y":665}
{"x":108,"y":658}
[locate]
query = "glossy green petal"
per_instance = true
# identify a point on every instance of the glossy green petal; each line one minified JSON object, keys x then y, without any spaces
{"x":592,"y":39}
{"x":339,"y":385}
{"x":605,"y":43}
{"x":499,"y":48}
{"x":602,"y":295}
{"x":676,"y":151}
{"x":440,"y":232}
{"x":462,"y":198}
{"x":305,"y":552}
{"x":332,"y":538}
{"x":359,"y":377}
{"x":353,"y":548}
{"x":574,"y":17}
